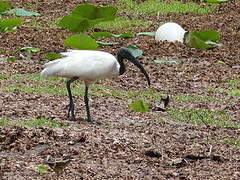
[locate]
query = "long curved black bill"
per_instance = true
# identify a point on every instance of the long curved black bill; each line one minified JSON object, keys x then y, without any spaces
{"x":127,"y":55}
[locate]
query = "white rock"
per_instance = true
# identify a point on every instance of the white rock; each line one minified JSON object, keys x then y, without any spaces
{"x":171,"y":32}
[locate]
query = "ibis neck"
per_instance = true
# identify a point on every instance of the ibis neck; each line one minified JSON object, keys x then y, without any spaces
{"x":122,"y":65}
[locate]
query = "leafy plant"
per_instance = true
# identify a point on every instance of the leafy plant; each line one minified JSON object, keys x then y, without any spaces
{"x":8,"y":25}
{"x":29,"y":51}
{"x":52,"y":56}
{"x":4,"y":6}
{"x":23,"y":12}
{"x":42,"y":169}
{"x":202,"y":39}
{"x":81,"y":41}
{"x":139,"y":106}
{"x":85,"y":16}
{"x":216,"y":1}
{"x":146,"y":34}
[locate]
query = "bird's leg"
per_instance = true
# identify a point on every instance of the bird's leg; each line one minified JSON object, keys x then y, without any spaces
{"x":86,"y":100}
{"x":71,"y":103}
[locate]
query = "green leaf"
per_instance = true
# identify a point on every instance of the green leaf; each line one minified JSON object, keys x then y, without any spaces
{"x":42,"y":169}
{"x":207,"y":35}
{"x":202,"y":39}
{"x":135,"y":51}
{"x":4,"y":6}
{"x":52,"y":56}
{"x":106,"y":43}
{"x":94,"y":13}
{"x":81,"y":41}
{"x":139,"y":106}
{"x":30,"y":49}
{"x":75,"y":23}
{"x":107,"y":34}
{"x":8,"y":25}
{"x":85,"y":16}
{"x":146,"y":34}
{"x":23,"y":12}
{"x":216,"y":1}
{"x":11,"y":59}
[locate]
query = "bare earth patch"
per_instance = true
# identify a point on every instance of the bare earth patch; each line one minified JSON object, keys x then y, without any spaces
{"x":128,"y":145}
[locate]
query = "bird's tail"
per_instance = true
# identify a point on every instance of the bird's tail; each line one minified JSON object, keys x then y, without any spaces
{"x":52,"y":68}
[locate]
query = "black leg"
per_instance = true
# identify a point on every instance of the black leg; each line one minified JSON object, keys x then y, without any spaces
{"x":71,"y":103}
{"x":86,"y":102}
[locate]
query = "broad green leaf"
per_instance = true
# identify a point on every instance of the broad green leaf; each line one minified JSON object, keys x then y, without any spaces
{"x":139,"y":106}
{"x":166,"y":61}
{"x":202,"y":39}
{"x":4,"y":6}
{"x":81,"y":41}
{"x":74,"y":23}
{"x":106,"y":43}
{"x":42,"y":169}
{"x":8,"y":25}
{"x":207,"y":35}
{"x":146,"y":34}
{"x":30,"y":49}
{"x":85,"y":16}
{"x":52,"y":56}
{"x":107,"y":34}
{"x":95,"y":13}
{"x":135,"y":51}
{"x":216,"y":1}
{"x":23,"y":12}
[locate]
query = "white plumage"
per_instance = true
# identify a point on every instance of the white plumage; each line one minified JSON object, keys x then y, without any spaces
{"x":85,"y":64}
{"x":171,"y":32}
{"x":89,"y":66}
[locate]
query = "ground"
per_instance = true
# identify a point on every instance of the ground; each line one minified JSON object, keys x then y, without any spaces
{"x":174,"y":144}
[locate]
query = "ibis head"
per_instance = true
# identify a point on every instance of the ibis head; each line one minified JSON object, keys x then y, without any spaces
{"x":124,"y":53}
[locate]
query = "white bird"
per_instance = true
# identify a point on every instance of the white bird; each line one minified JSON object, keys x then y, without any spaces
{"x":89,"y":66}
{"x":171,"y":32}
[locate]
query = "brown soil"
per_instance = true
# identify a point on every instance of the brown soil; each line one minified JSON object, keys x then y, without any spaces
{"x":127,"y":145}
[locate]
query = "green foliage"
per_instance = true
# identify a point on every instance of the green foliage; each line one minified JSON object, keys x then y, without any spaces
{"x":8,"y":25}
{"x":23,"y":12}
{"x":231,"y":141}
{"x":159,"y":7}
{"x":4,"y":6}
{"x":202,"y":39}
{"x":52,"y":56}
{"x":42,"y":169}
{"x":106,"y":43}
{"x":74,"y":23}
{"x":81,"y":41}
{"x":85,"y":16}
{"x":216,"y":1}
{"x":234,"y":83}
{"x":107,"y":34}
{"x":11,"y":59}
{"x":204,"y":116}
{"x":39,"y":122}
{"x":123,"y":23}
{"x":146,"y":34}
{"x":135,"y":51}
{"x":30,"y":49}
{"x":235,"y":93}
{"x":139,"y":106}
